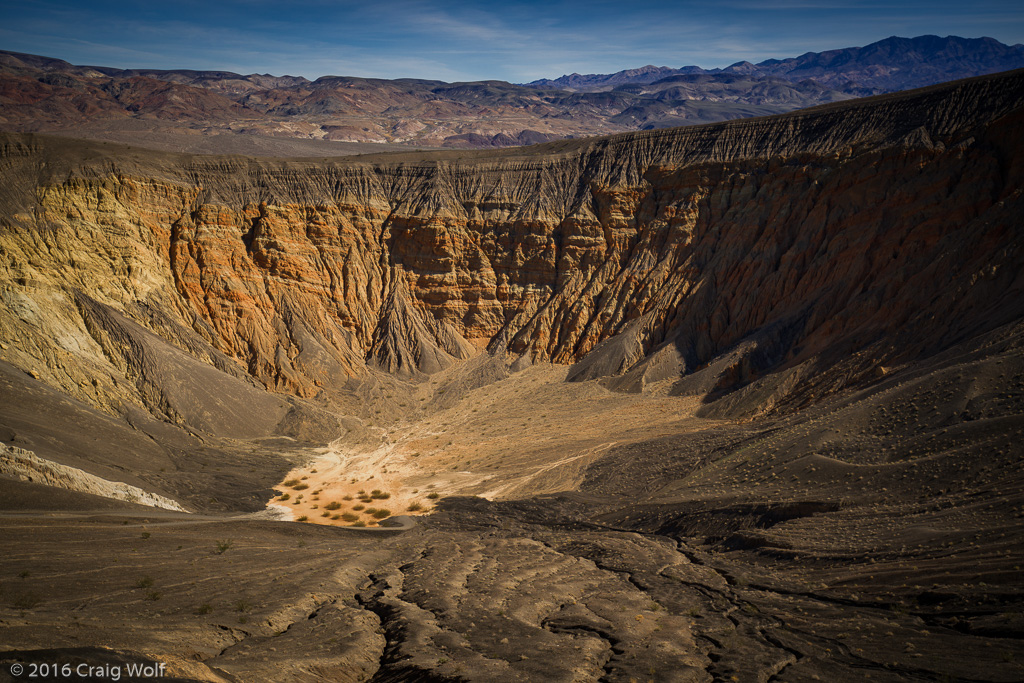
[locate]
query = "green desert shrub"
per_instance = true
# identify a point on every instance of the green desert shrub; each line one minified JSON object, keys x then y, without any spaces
{"x":333,"y":505}
{"x":349,"y":517}
{"x":382,"y":513}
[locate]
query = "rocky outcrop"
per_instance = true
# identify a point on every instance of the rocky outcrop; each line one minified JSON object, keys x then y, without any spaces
{"x":871,"y":231}
{"x":27,"y":466}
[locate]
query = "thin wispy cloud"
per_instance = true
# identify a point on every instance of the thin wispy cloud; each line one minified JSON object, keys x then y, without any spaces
{"x":519,"y":40}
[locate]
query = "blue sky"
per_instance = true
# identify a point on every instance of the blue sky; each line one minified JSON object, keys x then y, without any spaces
{"x":515,"y":40}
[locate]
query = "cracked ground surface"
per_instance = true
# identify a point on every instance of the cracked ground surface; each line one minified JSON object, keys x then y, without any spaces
{"x":875,"y":536}
{"x":489,"y":591}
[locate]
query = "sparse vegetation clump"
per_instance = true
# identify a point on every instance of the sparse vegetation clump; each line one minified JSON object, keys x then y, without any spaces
{"x":377,"y":494}
{"x":285,"y":496}
{"x":433,"y":495}
{"x":349,"y":517}
{"x":204,"y":608}
{"x":300,"y":487}
{"x":292,"y":482}
{"x":415,"y":506}
{"x":357,"y":508}
{"x":144,"y":582}
{"x":381,"y":514}
{"x":224,"y":546}
{"x":303,"y":518}
{"x":333,"y":505}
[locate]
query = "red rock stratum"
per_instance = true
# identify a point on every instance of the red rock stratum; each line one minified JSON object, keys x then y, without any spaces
{"x":865,"y":234}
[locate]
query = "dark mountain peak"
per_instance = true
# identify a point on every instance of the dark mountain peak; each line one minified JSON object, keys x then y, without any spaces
{"x":743,"y":67}
{"x":585,"y":82}
{"x":891,"y":64}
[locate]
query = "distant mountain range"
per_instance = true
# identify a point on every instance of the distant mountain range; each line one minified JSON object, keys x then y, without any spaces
{"x":886,"y":66}
{"x":212,"y":111}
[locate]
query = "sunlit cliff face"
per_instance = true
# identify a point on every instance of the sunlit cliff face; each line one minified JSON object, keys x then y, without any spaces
{"x":804,"y":237}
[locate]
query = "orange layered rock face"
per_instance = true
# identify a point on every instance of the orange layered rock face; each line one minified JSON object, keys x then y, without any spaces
{"x":281,"y":286}
{"x":761,"y":233}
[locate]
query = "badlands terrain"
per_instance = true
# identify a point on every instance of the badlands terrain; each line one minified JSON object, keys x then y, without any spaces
{"x":742,"y":401}
{"x":220,"y":112}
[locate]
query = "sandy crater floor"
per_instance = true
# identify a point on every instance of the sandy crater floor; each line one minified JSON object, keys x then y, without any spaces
{"x":530,"y":433}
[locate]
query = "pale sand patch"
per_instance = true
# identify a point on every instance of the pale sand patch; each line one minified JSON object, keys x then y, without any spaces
{"x":528,"y":434}
{"x":283,"y":510}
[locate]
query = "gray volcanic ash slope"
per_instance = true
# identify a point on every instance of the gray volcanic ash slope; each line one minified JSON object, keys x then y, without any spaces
{"x":740,"y":401}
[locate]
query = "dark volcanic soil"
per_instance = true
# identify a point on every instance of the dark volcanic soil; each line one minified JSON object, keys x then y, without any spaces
{"x":876,"y":536}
